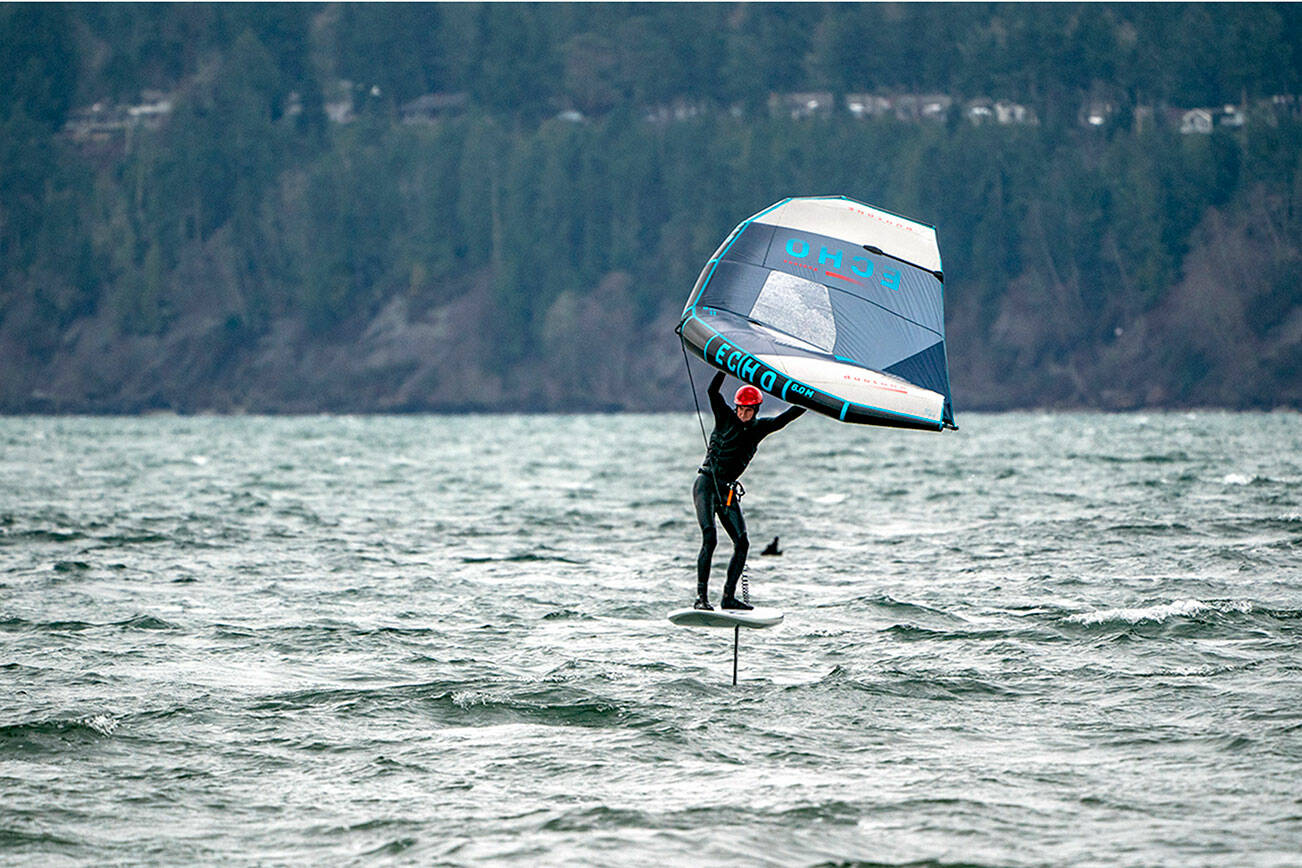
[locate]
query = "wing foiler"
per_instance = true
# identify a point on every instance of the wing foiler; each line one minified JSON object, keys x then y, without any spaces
{"x":831,"y":304}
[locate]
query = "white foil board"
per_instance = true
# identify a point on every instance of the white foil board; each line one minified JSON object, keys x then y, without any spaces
{"x":755,"y":618}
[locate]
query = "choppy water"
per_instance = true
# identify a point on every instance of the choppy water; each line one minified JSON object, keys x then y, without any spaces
{"x":1042,"y":640}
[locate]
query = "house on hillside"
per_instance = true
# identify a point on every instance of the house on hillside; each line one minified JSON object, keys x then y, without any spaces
{"x":1231,"y":116}
{"x":1014,"y":113}
{"x":1096,"y":113}
{"x":867,"y":105}
{"x":678,"y":110}
{"x":150,"y":112}
{"x":97,"y":123}
{"x":922,"y":107}
{"x":984,"y":110}
{"x":979,"y":111}
{"x":1197,"y":120}
{"x":106,"y":128}
{"x":802,"y":105}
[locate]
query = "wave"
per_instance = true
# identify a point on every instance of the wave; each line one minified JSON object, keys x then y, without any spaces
{"x":16,"y":625}
{"x":600,"y":817}
{"x":914,"y":633}
{"x":1175,"y":457}
{"x":40,"y":535}
{"x":99,"y":724}
{"x":551,"y":703}
{"x":138,"y":622}
{"x":915,"y":685}
{"x":887,"y":603}
{"x":392,"y":848}
{"x":117,"y":539}
{"x":916,"y":863}
{"x":1152,"y":528}
{"x":1161,"y":612}
{"x":355,"y":698}
{"x":145,"y":622}
{"x":521,"y":558}
{"x":1285,"y":521}
{"x":566,"y":615}
{"x":15,"y":840}
{"x":566,"y":705}
{"x":319,"y":632}
{"x":53,"y":734}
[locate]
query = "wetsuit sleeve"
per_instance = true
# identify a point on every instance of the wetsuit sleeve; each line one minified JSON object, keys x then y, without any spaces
{"x":717,"y":404}
{"x":777,"y":423}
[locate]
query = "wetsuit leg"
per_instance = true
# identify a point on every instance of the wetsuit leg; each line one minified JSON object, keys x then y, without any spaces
{"x":735,"y":526}
{"x":704,"y":499}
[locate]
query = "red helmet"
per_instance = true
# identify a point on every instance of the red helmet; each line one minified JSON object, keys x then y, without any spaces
{"x":748,"y":396}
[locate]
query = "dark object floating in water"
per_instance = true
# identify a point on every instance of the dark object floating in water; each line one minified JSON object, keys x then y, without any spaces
{"x":772,"y":548}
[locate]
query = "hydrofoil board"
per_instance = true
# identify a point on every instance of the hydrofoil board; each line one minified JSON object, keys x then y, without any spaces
{"x":760,"y":616}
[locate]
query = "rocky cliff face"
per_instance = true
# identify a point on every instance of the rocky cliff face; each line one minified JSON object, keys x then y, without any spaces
{"x":407,"y":357}
{"x":1229,"y":334}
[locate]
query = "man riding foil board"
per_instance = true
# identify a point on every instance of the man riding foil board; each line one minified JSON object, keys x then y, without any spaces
{"x":737,"y":434}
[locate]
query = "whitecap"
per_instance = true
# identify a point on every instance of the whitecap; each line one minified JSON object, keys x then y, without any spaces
{"x":1159,"y":613}
{"x":1236,"y":479}
{"x":466,"y":698}
{"x":200,"y":460}
{"x":101,"y":723}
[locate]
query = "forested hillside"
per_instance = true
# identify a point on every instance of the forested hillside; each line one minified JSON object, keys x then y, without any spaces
{"x":368,"y":207}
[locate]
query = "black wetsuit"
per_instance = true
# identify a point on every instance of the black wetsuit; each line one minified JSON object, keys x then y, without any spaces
{"x":732,"y":445}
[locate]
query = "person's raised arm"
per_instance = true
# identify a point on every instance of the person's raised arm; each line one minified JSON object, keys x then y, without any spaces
{"x":717,"y":403}
{"x":768,"y":426}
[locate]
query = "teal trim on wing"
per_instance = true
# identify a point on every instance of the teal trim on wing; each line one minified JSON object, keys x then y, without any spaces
{"x":845,"y":405}
{"x":736,"y":233}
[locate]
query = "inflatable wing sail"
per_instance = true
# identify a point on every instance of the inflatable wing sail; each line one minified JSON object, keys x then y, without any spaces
{"x":831,"y":304}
